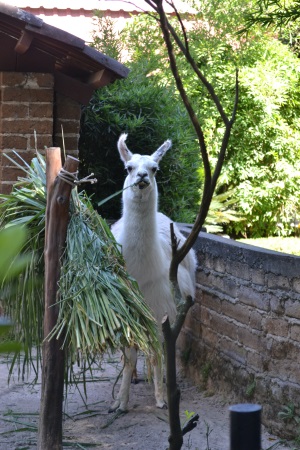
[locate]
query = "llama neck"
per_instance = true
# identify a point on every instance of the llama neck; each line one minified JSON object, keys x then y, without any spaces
{"x":140,"y":217}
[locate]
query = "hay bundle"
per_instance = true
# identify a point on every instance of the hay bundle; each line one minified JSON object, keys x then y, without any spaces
{"x":101,"y":307}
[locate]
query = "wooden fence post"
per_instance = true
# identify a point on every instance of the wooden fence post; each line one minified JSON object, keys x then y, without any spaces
{"x":53,"y":360}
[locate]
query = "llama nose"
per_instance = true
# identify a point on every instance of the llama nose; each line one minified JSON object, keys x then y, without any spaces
{"x":142,"y":174}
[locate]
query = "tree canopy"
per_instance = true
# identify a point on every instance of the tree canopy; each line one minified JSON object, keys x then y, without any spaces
{"x":261,"y":172}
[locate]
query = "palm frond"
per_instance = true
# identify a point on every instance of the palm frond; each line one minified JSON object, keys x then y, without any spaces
{"x":101,"y":307}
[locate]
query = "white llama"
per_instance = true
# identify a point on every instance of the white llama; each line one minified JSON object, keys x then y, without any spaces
{"x":144,"y":235}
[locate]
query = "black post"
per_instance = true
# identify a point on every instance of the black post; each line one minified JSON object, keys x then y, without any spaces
{"x":245,"y":427}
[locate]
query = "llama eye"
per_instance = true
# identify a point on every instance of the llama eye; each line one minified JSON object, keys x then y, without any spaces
{"x":129,"y":169}
{"x":154,"y":169}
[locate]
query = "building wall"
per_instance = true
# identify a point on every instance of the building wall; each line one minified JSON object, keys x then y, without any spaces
{"x":31,"y":116}
{"x":242,"y":336}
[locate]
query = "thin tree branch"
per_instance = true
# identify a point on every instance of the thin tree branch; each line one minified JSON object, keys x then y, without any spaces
{"x":180,"y":87}
{"x":186,"y":41}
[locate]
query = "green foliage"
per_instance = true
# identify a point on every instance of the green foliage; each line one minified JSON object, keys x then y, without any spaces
{"x":93,"y":320}
{"x":105,"y":37}
{"x":262,"y":165}
{"x":12,"y":264}
{"x":261,"y":171}
{"x":273,"y":13}
{"x":250,"y":390}
{"x":150,"y":114}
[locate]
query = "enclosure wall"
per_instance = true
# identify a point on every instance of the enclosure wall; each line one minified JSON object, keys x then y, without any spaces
{"x":242,"y":336}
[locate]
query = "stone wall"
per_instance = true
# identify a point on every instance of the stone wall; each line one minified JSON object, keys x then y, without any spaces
{"x":242,"y":336}
{"x":31,"y":107}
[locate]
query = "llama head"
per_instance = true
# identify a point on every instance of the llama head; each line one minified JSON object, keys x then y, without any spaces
{"x":141,"y":169}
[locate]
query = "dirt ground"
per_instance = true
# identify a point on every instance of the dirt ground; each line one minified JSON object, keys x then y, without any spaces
{"x":87,"y":423}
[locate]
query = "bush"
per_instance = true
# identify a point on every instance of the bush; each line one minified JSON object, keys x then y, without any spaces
{"x":150,"y":113}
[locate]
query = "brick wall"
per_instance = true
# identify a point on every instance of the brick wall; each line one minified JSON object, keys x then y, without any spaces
{"x":242,"y":336}
{"x":29,"y":105}
{"x":26,"y":107}
{"x":67,"y":114}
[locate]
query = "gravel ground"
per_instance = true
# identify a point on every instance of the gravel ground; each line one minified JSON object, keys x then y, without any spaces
{"x":87,"y":423}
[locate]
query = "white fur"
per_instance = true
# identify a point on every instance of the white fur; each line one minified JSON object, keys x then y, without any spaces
{"x":144,"y":234}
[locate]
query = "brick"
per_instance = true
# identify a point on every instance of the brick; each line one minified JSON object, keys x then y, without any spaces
{"x":277,"y":281}
{"x":285,"y":370}
{"x":27,"y":126}
{"x":203,"y":277}
{"x":219,"y":265}
{"x":278,"y":327}
{"x":292,"y":309}
{"x":193,"y":317}
{"x":236,"y":311}
{"x":205,"y":316}
{"x":44,"y":80}
{"x":6,"y":188}
{"x":43,"y":140}
{"x":280,"y":349}
{"x":234,"y":351}
{"x":211,"y":301}
{"x":198,"y":294}
{"x":14,"y":110}
{"x":41,"y":110}
{"x":26,"y":95}
{"x":14,"y":141}
{"x":26,"y":155}
{"x":71,"y":143}
{"x":224,"y":327}
{"x":249,"y":338}
{"x":296,"y":285}
{"x":210,"y":336}
{"x":68,"y":127}
{"x":12,"y":174}
{"x":256,"y":320}
{"x":257,"y":361}
{"x":295,"y":331}
{"x":250,"y":296}
{"x":238,"y":270}
{"x":277,"y":305}
{"x":12,"y":78}
{"x":257,"y":276}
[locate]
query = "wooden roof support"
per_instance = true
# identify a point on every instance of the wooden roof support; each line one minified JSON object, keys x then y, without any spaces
{"x":24,"y":42}
{"x":94,"y":80}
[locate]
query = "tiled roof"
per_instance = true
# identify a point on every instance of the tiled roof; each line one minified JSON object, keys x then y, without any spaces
{"x":28,"y":44}
{"x":90,"y":5}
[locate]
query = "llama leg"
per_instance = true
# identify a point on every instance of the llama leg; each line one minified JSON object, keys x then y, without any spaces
{"x":134,"y":377}
{"x":158,"y":385}
{"x":130,"y":358}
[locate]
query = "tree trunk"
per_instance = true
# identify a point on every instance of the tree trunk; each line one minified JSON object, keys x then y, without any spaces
{"x":173,"y":391}
{"x":53,"y":362}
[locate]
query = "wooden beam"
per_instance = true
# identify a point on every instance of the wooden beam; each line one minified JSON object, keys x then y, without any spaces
{"x":24,"y":42}
{"x":73,"y":88}
{"x":53,"y":364}
{"x":94,"y":79}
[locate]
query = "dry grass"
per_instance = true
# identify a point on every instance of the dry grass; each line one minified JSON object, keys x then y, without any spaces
{"x":290,"y":245}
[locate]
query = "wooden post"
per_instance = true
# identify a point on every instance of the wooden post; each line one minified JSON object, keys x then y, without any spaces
{"x":53,"y":361}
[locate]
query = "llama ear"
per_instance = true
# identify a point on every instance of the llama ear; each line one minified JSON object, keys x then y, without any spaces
{"x":124,"y":151}
{"x":162,"y":150}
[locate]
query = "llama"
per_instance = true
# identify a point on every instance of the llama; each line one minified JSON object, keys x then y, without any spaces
{"x":144,"y":234}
